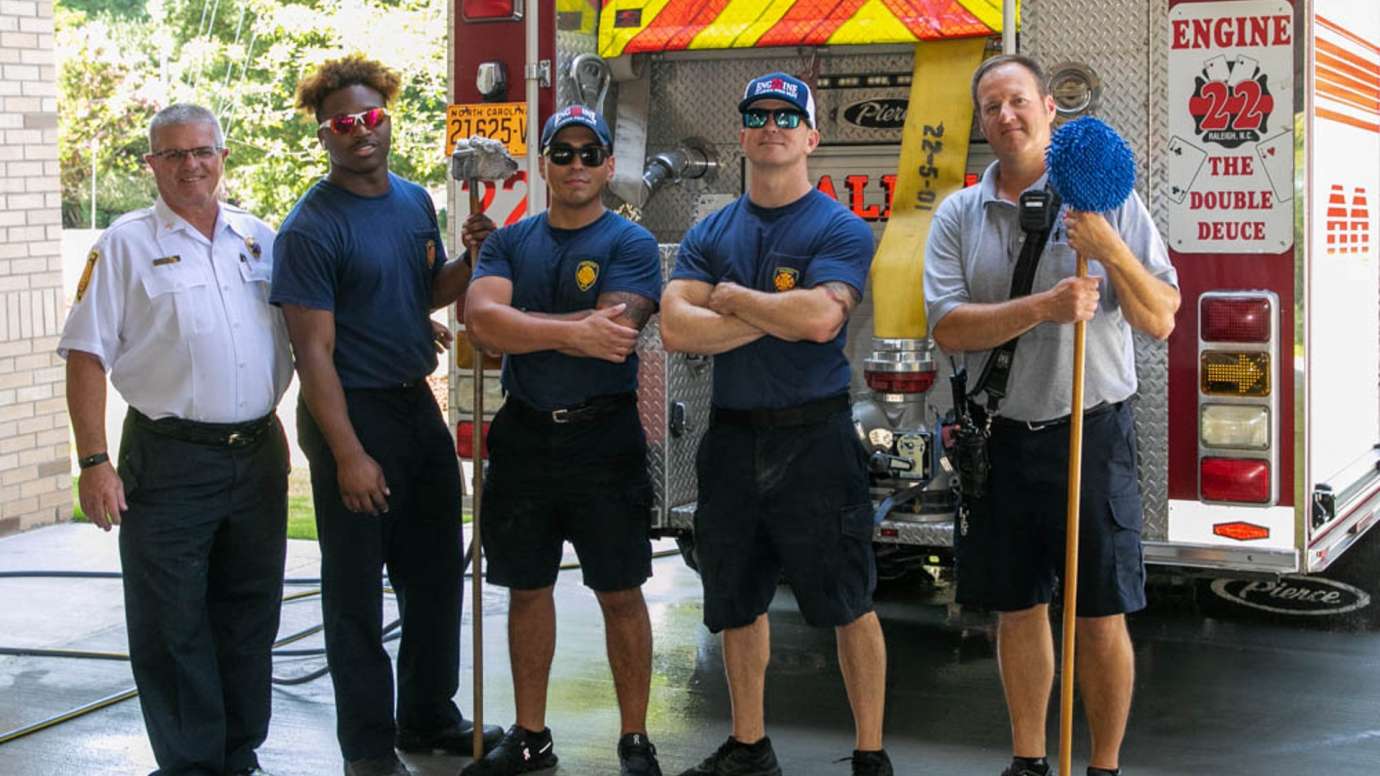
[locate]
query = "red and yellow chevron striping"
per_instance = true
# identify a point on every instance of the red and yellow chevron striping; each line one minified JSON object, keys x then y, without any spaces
{"x":642,"y":26}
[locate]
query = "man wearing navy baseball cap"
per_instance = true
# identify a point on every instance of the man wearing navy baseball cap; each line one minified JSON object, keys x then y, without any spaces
{"x":562,"y":295}
{"x":766,"y":285}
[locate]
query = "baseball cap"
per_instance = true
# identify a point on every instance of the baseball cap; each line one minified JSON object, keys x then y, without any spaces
{"x":576,"y":115}
{"x":779,"y":86}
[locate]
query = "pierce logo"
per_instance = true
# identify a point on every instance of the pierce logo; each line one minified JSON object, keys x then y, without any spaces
{"x":877,"y":114}
{"x":1295,"y":596}
{"x":1231,"y":102}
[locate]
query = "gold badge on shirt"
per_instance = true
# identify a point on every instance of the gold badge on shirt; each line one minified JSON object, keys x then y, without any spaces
{"x":430,"y":254}
{"x":255,"y":249}
{"x":785,"y":278}
{"x":86,"y":273}
{"x":586,"y":273}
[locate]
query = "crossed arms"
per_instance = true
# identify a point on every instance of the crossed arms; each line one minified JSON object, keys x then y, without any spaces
{"x":707,"y":319}
{"x":607,"y":332}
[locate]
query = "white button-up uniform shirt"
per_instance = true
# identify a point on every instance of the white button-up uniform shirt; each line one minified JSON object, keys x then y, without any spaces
{"x":182,"y":323}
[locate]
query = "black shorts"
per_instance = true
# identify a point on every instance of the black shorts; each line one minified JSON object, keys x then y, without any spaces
{"x":791,"y":499}
{"x":584,"y":482}
{"x":1010,"y":544}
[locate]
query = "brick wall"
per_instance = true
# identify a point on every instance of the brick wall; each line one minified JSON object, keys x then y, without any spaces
{"x":35,"y":468}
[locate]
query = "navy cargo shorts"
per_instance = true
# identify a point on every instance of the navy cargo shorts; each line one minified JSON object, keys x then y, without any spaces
{"x":789,"y":498}
{"x":1010,"y":543}
{"x":584,"y":482}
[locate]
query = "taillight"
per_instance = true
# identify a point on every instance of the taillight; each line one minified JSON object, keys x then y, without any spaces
{"x":1244,"y":480}
{"x":464,"y":440}
{"x":1236,"y":319}
{"x":490,"y":10}
{"x":899,"y":382}
{"x":1234,"y":373}
{"x":1238,"y":426}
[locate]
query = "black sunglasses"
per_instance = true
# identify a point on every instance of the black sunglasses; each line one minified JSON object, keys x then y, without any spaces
{"x":561,"y":154}
{"x":785,"y":118}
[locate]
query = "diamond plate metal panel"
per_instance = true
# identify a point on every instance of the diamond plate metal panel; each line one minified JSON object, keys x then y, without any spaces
{"x":1122,"y":40}
{"x":665,"y":381}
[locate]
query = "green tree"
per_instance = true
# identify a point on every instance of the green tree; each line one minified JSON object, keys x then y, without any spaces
{"x":243,"y":59}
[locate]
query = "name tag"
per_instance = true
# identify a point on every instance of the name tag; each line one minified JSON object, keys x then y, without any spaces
{"x":166,"y":260}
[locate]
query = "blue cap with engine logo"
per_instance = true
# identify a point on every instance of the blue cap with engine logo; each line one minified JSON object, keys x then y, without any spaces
{"x":576,"y":115}
{"x":780,"y":86}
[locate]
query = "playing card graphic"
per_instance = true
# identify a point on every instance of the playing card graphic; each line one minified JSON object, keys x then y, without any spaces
{"x":1185,"y":162}
{"x":1243,"y":68}
{"x":1276,"y":155}
{"x":1217,"y":68}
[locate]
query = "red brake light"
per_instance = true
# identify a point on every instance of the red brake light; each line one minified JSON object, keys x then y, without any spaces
{"x":899,"y":382}
{"x":488,"y":10}
{"x":1245,"y":480}
{"x":1236,"y":319}
{"x":464,"y":440}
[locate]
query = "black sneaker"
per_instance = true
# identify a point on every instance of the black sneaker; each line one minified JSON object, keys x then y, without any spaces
{"x":1020,"y":769}
{"x":520,"y":751}
{"x":1103,"y":772}
{"x":871,"y":763}
{"x":637,"y":756}
{"x":387,"y":765}
{"x":738,"y":759}
{"x":456,"y":739}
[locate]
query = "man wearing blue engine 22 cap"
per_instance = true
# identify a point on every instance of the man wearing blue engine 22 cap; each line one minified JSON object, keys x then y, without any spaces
{"x":766,"y":286}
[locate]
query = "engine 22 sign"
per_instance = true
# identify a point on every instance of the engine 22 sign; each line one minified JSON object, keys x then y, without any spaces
{"x":1231,"y":125}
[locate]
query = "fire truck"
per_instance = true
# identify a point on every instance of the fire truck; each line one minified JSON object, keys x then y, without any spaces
{"x":1256,"y":129}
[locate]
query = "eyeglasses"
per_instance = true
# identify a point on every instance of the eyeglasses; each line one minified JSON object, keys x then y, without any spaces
{"x":344,"y":123}
{"x":177,"y":155}
{"x":785,"y":118}
{"x":561,"y":154}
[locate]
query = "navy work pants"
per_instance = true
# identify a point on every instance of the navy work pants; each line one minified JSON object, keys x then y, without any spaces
{"x":419,"y":542}
{"x":202,"y":549}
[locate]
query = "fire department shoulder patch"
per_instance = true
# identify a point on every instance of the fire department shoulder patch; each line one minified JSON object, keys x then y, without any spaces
{"x":91,"y":259}
{"x":785,"y":278}
{"x":586,"y":274}
{"x":430,"y":254}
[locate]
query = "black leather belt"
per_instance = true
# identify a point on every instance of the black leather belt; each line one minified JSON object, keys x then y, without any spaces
{"x":592,"y":409}
{"x":806,"y":414}
{"x":1028,"y":425}
{"x":211,"y":434}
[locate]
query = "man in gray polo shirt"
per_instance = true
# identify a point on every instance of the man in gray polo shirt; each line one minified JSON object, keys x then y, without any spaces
{"x":1010,"y":546}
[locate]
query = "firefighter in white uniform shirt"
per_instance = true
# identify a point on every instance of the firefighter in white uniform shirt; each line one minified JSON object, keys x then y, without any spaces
{"x":173,"y":302}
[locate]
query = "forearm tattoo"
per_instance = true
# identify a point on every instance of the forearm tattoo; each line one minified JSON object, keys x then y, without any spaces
{"x":842,"y":293}
{"x":639,"y":308}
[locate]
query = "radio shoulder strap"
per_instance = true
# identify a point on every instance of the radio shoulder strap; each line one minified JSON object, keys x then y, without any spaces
{"x":997,"y":370}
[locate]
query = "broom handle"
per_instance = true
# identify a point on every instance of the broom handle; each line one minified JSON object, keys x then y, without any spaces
{"x":476,"y":547}
{"x":1080,"y":331}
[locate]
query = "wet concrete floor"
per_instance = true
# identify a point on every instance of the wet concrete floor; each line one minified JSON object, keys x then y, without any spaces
{"x":1214,"y":697}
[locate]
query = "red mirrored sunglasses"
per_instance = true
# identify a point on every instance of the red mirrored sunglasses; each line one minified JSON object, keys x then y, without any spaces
{"x":344,"y":123}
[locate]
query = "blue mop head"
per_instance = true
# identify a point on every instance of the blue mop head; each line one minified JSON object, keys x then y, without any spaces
{"x":1090,"y":166}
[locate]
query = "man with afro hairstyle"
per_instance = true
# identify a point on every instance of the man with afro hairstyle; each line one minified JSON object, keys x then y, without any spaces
{"x":359,"y":266}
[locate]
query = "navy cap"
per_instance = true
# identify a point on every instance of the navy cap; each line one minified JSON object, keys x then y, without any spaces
{"x":780,"y":86}
{"x":572,"y":116}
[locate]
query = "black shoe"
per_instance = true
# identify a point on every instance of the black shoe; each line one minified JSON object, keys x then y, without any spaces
{"x":871,"y":763}
{"x":1020,"y":769}
{"x":387,"y":765}
{"x":456,"y":739}
{"x":1103,"y":772}
{"x":739,"y":759}
{"x":255,"y":771}
{"x":637,"y":756}
{"x":520,"y":751}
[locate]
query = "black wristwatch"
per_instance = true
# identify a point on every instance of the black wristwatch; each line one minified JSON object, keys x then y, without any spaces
{"x":92,"y":460}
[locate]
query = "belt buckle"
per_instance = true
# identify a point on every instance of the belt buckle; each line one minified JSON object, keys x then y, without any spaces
{"x":235,"y":439}
{"x":560,"y":416}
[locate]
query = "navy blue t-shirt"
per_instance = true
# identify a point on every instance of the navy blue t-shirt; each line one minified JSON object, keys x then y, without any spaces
{"x":371,"y":261}
{"x":564,"y":271}
{"x":811,"y":241}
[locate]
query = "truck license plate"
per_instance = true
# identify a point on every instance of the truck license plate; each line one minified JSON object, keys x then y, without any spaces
{"x":505,"y":122}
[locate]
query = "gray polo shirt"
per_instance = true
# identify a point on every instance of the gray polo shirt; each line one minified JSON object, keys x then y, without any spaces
{"x":974,"y":242}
